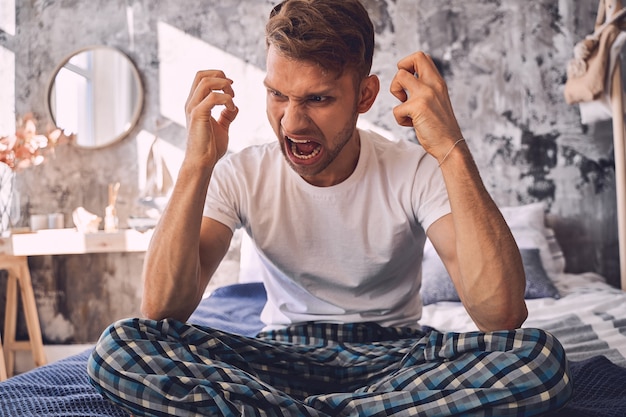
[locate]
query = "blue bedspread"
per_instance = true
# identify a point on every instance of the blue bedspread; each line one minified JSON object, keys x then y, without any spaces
{"x":62,"y":388}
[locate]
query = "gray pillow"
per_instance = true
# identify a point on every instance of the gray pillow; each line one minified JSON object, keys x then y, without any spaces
{"x":437,"y":285}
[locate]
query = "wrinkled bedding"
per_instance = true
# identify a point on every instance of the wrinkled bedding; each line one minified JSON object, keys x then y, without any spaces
{"x":589,"y":319}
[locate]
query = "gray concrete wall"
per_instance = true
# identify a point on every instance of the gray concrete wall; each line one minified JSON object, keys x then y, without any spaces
{"x":505,"y":62}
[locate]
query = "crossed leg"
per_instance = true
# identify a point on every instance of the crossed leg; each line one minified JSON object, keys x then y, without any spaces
{"x":159,"y":368}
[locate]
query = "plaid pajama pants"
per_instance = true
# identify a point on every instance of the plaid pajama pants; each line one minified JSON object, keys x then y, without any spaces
{"x":164,"y":368}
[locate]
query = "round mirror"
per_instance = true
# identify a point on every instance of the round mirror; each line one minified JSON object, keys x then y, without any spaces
{"x":97,"y":94}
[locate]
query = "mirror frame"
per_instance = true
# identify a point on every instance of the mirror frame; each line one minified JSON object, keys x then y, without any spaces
{"x":140,"y":94}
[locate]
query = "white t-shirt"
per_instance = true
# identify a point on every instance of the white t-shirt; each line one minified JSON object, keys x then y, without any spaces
{"x":347,"y":253}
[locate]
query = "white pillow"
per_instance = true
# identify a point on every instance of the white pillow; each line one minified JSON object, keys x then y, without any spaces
{"x":527,"y":223}
{"x":529,"y":216}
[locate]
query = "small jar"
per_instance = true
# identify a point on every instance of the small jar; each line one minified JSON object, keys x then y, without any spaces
{"x":110,"y":219}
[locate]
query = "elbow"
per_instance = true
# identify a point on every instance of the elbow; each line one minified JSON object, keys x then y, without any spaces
{"x":162,"y":300}
{"x":509,"y":318}
{"x":518,"y":318}
{"x":151,"y":311}
{"x":158,"y":309}
{"x":150,"y":307}
{"x":513,"y":321}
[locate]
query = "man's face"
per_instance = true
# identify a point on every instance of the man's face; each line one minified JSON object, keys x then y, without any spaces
{"x":313,"y":114}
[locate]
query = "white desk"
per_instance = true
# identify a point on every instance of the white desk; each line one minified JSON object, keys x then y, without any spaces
{"x":14,"y":251}
{"x":70,"y":241}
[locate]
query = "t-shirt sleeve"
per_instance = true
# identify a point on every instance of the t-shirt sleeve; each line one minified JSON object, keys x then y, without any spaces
{"x":430,"y":195}
{"x":221,"y":202}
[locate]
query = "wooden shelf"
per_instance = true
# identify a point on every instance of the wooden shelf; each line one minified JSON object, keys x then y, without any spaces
{"x":70,"y":241}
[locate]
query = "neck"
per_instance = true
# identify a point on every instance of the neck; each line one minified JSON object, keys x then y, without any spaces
{"x":342,"y":167}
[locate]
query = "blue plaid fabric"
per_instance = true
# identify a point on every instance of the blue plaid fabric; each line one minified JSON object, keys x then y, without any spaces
{"x":164,"y":368}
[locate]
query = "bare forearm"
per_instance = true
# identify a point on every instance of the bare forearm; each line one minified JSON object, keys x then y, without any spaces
{"x":479,"y":251}
{"x":492,"y":280}
{"x":172,"y":273}
{"x":180,"y":260}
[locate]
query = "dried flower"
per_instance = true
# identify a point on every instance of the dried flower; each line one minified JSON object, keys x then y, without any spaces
{"x":28,"y":148}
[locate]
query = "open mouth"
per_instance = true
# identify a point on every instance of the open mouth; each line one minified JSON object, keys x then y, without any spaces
{"x":304,"y":149}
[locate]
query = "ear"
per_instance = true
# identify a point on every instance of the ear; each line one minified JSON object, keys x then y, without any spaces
{"x":368,"y":93}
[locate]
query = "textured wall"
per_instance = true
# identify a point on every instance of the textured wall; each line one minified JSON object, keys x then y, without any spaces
{"x":504,"y":61}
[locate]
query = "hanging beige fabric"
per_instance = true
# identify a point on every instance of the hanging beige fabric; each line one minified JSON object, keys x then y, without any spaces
{"x":588,"y":70}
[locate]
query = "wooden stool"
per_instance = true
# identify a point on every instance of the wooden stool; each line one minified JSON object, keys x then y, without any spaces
{"x":3,"y":368}
{"x":19,"y":275}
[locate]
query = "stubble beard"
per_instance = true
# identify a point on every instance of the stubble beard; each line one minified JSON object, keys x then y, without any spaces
{"x":330,"y":154}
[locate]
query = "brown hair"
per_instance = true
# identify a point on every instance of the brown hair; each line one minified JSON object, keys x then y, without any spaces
{"x":335,"y":34}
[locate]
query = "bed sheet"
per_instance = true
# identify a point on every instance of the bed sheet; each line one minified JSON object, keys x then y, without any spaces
{"x":62,"y":389}
{"x":589,"y":319}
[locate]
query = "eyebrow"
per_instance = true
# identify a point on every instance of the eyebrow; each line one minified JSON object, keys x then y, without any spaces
{"x":321,"y":93}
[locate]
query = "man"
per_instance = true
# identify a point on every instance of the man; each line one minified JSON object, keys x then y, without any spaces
{"x":339,"y":217}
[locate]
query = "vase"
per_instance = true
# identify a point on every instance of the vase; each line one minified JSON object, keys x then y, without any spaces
{"x":7,"y":197}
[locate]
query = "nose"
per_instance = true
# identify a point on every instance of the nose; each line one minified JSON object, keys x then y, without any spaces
{"x":294,"y":118}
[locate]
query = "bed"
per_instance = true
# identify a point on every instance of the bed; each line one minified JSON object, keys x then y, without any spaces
{"x":586,"y":314}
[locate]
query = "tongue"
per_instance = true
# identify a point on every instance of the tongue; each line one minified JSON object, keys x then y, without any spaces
{"x":306,"y":148}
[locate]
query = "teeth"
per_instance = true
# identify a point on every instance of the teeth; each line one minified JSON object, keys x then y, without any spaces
{"x":294,"y":151}
{"x":298,"y":141}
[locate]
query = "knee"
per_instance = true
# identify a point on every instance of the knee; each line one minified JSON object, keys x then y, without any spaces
{"x":543,"y":349}
{"x":543,"y":346}
{"x":548,"y":363}
{"x":111,"y":352}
